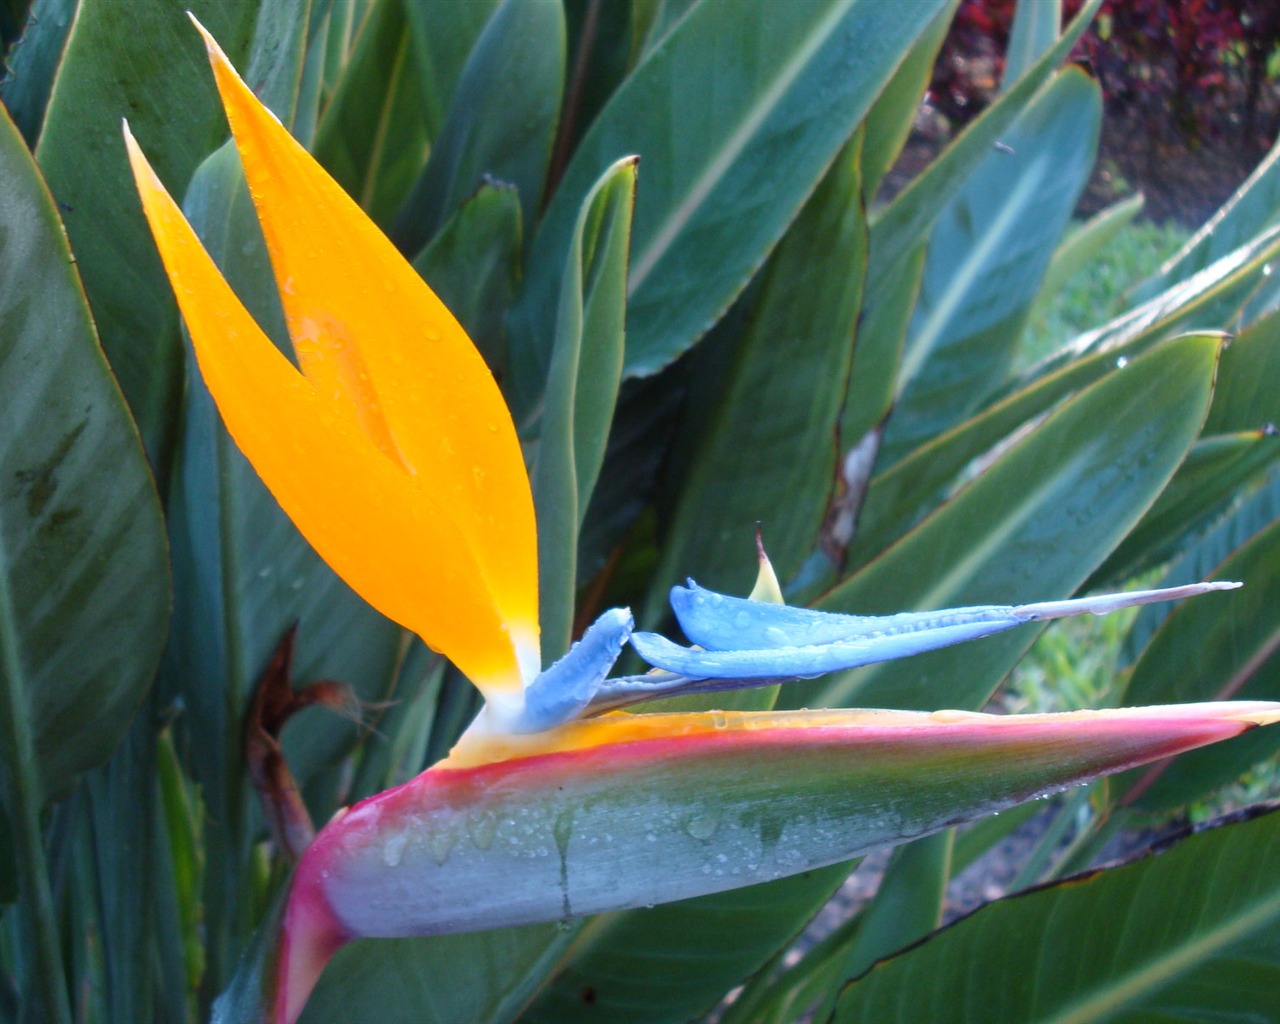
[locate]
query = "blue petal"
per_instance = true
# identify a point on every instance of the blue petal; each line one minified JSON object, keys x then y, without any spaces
{"x":807,"y":661}
{"x":560,"y":693}
{"x":721,"y":623}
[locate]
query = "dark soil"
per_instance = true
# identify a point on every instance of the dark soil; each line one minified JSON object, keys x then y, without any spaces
{"x":1186,"y":172}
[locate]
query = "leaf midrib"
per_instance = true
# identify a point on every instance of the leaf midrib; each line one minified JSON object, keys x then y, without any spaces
{"x":726,"y":156}
{"x":1103,"y":1002}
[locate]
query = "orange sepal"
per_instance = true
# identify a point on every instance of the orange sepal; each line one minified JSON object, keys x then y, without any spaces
{"x":370,"y":334}
{"x":379,"y":527}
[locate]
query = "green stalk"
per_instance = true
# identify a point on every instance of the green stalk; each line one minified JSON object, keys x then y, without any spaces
{"x":33,"y":870}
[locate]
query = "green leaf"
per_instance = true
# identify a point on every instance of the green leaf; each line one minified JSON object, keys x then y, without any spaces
{"x":33,"y":62}
{"x":881,"y":337}
{"x":481,"y":978}
{"x":1033,"y":524}
{"x":473,"y":264}
{"x":84,"y":588}
{"x":1035,"y":30}
{"x":891,"y":117}
{"x":1217,"y":470}
{"x":764,"y":457}
{"x":673,"y":963}
{"x":1203,"y":558}
{"x":1212,"y":299}
{"x":905,"y":223}
{"x":1253,"y":207}
{"x":84,"y":568}
{"x":586,"y":369}
{"x":1241,"y":399}
{"x":1213,"y":650}
{"x":274,"y":68}
{"x":717,"y":195}
{"x":1084,"y":243}
{"x":372,"y":136}
{"x":987,"y":255}
{"x":908,"y":905}
{"x":1190,"y":935}
{"x":443,"y":34}
{"x":501,"y":122}
{"x":147,"y":62}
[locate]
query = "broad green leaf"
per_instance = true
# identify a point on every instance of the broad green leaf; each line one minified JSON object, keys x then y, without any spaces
{"x":1219,"y":651}
{"x":84,"y":576}
{"x":84,"y":588}
{"x":892,"y":116}
{"x":1211,"y":299}
{"x":764,"y":456}
{"x":1083,"y":243}
{"x":396,"y":751}
{"x":372,"y":136}
{"x":123,"y":827}
{"x":1254,"y":206}
{"x":903,"y":225}
{"x":582,"y":390}
{"x":882,"y":334}
{"x":988,"y":253}
{"x":33,"y":62}
{"x":275,"y":67}
{"x":674,"y":962}
{"x":1202,"y":559}
{"x":1242,"y":399}
{"x":443,"y":33}
{"x":717,"y":193}
{"x":651,"y":20}
{"x":501,"y":122}
{"x":473,"y":264}
{"x":904,"y":493}
{"x":1216,"y":471}
{"x":907,"y":905}
{"x":147,"y":62}
{"x":481,"y":978}
{"x":1035,"y":30}
{"x":1190,"y":935}
{"x":1036,"y":522}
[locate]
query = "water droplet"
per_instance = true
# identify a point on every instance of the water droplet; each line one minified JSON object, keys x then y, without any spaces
{"x":480,"y":827}
{"x":441,"y":843}
{"x":264,"y":573}
{"x":650,"y":837}
{"x":718,"y":721}
{"x":393,"y":849}
{"x":702,"y":826}
{"x":1122,"y":362}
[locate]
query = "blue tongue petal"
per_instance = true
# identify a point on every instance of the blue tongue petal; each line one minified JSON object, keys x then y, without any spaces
{"x":562,"y":692}
{"x":744,"y":639}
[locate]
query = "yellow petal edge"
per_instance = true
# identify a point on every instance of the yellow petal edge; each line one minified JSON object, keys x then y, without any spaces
{"x":393,"y":451}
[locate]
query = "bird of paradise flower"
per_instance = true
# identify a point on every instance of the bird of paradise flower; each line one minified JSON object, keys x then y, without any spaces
{"x":391,"y":449}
